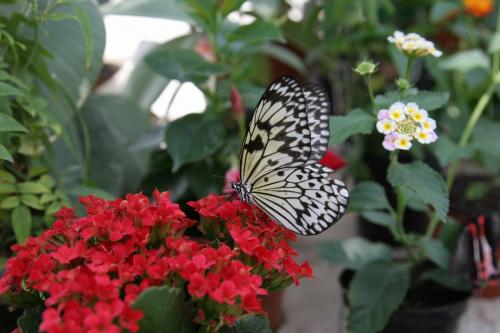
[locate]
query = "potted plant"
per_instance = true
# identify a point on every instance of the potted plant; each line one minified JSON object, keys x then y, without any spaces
{"x":412,"y":289}
{"x":130,"y":265}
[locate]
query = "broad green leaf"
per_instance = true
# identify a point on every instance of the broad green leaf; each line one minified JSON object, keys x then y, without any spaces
{"x":86,"y":26}
{"x":447,"y":279}
{"x":21,"y":223}
{"x":376,"y":291}
{"x":229,"y":6}
{"x":10,"y":202}
{"x":61,"y":16}
{"x":428,"y":100}
{"x":465,"y":61}
{"x":31,"y":201}
{"x":368,"y":195}
{"x":5,"y":155}
{"x":250,"y":323}
{"x":31,"y":319}
{"x":486,"y":136}
{"x":165,"y":310}
{"x":436,"y":251}
{"x":166,"y":9}
{"x":354,"y":253}
{"x":246,"y":38}
{"x":380,"y":218}
{"x":284,"y":55}
{"x":9,"y":124}
{"x":494,"y":45}
{"x":32,"y":188}
{"x":355,"y":122}
{"x":422,"y":182}
{"x":193,"y":137}
{"x":8,"y":90}
{"x":83,"y":190}
{"x":47,"y":181}
{"x":47,"y":197}
{"x":449,"y":233}
{"x":183,"y":65}
{"x":7,"y":188}
{"x":447,"y":151}
{"x":7,"y":177}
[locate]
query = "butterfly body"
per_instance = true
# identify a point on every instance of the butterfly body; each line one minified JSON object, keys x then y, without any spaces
{"x":279,"y":161}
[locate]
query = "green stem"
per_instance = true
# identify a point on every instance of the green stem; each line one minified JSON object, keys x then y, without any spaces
{"x":409,"y":66}
{"x":368,"y":81}
{"x":174,"y":95}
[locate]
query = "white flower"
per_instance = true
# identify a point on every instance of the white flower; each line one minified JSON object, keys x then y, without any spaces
{"x":413,"y":44}
{"x":397,"y":111}
{"x":386,"y":126}
{"x":428,"y":125}
{"x":422,"y":136}
{"x":419,"y":115}
{"x":403,"y":142}
{"x":411,"y":108}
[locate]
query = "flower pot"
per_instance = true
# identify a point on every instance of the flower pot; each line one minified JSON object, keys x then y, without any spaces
{"x":431,"y":310}
{"x":273,"y":306}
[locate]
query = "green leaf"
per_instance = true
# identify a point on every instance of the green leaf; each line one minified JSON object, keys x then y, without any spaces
{"x":7,"y":188}
{"x":284,"y":55}
{"x":428,"y":100}
{"x":229,"y":6}
{"x":436,"y":251}
{"x":368,"y":195}
{"x":494,"y":45}
{"x":485,"y":134}
{"x":8,"y":90}
{"x":422,"y":182}
{"x":86,"y":26}
{"x":449,"y":233}
{"x":7,"y":177}
{"x":447,"y":151}
{"x":356,"y":121}
{"x":380,"y":218}
{"x":376,"y":291}
{"x":5,"y":155}
{"x":465,"y":61}
{"x":31,"y":319}
{"x":193,"y":137}
{"x":61,"y":16}
{"x":21,"y":223}
{"x":9,"y":124}
{"x":447,"y":279}
{"x":165,"y":310}
{"x":32,"y":188}
{"x":249,"y":324}
{"x":169,"y":9}
{"x":10,"y":202}
{"x":47,"y":181}
{"x":31,"y":201}
{"x":247,"y":38}
{"x":354,"y":253}
{"x":183,"y":65}
{"x":83,"y":190}
{"x":47,"y":197}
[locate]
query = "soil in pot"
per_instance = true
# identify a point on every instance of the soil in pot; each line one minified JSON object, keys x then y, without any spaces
{"x":428,"y":308}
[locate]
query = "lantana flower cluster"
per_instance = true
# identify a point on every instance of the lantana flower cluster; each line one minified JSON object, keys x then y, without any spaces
{"x":88,"y":271}
{"x":402,"y":123}
{"x":414,"y":45}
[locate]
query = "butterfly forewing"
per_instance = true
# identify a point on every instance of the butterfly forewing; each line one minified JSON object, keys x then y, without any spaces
{"x":278,"y":134}
{"x":318,"y":109}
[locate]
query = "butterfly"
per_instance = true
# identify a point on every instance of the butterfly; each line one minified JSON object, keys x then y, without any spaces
{"x":279,"y":160}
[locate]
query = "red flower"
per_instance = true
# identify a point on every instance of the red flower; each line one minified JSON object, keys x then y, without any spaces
{"x":237,"y":107}
{"x":226,"y":293}
{"x":332,"y":160}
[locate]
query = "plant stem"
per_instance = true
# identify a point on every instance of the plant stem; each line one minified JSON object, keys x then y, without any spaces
{"x":368,"y":80}
{"x":409,"y":66}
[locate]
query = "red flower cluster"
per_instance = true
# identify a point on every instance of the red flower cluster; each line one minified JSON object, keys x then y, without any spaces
{"x":91,"y":269}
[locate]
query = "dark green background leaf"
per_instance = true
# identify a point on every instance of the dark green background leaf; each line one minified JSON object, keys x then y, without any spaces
{"x":356,"y":121}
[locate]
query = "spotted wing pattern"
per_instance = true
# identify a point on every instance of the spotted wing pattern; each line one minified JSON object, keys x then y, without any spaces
{"x":286,"y":138}
{"x":278,"y":134}
{"x":318,"y":109}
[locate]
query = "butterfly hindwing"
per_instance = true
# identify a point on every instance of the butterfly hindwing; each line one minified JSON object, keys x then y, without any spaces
{"x":301,"y":199}
{"x":278,"y":134}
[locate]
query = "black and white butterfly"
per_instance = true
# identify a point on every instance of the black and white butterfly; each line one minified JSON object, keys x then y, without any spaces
{"x":279,"y":160}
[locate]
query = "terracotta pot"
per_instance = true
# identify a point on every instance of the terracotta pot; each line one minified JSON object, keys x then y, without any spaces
{"x":273,"y":305}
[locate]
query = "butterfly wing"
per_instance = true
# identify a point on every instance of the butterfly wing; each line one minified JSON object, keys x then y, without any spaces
{"x":303,"y":199}
{"x":318,"y":109}
{"x":278,"y":134}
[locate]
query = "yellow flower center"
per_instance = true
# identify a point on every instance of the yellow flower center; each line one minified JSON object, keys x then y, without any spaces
{"x":406,"y":127}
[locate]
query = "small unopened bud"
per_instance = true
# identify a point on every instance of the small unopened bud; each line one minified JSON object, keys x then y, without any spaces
{"x":403,"y":84}
{"x":366,"y":67}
